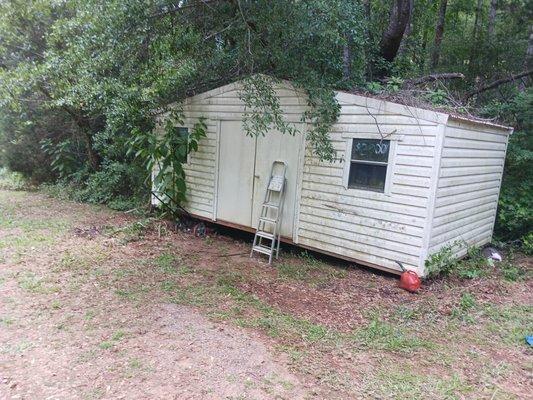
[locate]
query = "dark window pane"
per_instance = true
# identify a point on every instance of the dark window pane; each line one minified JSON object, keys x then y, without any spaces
{"x":183,"y":132}
{"x":367,"y":176}
{"x":370,"y":150}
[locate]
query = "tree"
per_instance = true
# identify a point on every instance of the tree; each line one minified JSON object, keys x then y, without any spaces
{"x":439,"y":31}
{"x":492,"y":18}
{"x":400,"y":14}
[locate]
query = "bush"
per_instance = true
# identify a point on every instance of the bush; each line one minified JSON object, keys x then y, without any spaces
{"x":117,"y":185}
{"x":12,"y":180}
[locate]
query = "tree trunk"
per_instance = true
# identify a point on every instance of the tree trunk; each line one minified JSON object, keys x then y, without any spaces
{"x":408,"y":30}
{"x":528,"y":61}
{"x":400,"y":14}
{"x":492,"y":18}
{"x":92,"y":156}
{"x":369,"y":42}
{"x":439,"y":32}
{"x":472,"y":64}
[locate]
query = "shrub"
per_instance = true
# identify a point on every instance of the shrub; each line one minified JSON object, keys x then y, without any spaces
{"x":116,"y":185}
{"x":12,"y":180}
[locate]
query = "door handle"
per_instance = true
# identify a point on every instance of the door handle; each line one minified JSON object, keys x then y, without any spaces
{"x":257,"y":176}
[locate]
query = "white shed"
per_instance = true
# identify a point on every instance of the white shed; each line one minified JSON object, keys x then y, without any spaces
{"x":433,"y":180}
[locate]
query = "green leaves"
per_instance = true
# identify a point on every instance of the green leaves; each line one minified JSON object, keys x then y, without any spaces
{"x":163,"y":153}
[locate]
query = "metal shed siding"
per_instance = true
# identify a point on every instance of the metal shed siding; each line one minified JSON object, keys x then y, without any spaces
{"x":471,"y":168}
{"x":371,"y":227}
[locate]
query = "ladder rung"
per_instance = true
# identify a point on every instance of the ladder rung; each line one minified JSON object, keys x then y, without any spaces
{"x":265,"y":235}
{"x":271,"y":205}
{"x":265,"y":219}
{"x":262,"y":249}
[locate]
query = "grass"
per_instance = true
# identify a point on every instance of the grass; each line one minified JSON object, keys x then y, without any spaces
{"x":6,"y":321}
{"x":130,"y":232}
{"x":407,"y":383}
{"x":308,"y":269}
{"x":382,"y":335}
{"x":110,"y":343}
{"x":36,"y":285}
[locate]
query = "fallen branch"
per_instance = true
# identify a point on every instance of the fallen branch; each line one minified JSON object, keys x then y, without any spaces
{"x":435,"y":77}
{"x":497,"y":83}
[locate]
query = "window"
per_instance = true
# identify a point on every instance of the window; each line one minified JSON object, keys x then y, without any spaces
{"x":368,"y":164}
{"x":183,"y":133}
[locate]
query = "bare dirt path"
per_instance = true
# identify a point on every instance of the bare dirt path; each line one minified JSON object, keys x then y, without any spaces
{"x":69,"y":327}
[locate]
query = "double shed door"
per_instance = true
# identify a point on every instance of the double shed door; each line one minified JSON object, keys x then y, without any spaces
{"x":244,"y":165}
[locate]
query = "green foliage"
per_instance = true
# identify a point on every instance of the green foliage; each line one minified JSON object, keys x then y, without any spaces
{"x":515,"y":216}
{"x":440,"y":262}
{"x":437,"y":97}
{"x":263,"y":109}
{"x":163,"y":155}
{"x":474,"y":265}
{"x":62,"y":159}
{"x":394,"y":84}
{"x":115,"y":184}
{"x":445,"y":262}
{"x":12,"y":180}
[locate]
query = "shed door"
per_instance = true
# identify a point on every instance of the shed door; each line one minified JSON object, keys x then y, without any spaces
{"x":244,"y":170}
{"x":276,"y":146}
{"x":236,"y":174}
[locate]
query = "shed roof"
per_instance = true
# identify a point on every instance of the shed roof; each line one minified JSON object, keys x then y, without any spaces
{"x":378,"y":103}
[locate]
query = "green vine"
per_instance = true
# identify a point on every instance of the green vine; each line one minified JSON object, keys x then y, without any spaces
{"x":164,"y":155}
{"x":263,"y":112}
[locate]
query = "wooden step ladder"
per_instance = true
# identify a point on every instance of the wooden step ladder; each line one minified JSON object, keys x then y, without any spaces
{"x":269,"y":225}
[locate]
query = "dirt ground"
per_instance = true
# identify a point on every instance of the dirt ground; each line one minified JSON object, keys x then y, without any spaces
{"x":97,"y":304}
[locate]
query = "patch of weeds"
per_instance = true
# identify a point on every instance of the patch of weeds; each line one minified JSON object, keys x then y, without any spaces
{"x":89,"y":315}
{"x":381,"y":335}
{"x":166,"y":263}
{"x":466,"y":304}
{"x":135,"y":363}
{"x":511,"y":323}
{"x":511,"y":272}
{"x":278,"y":324}
{"x":131,"y":232}
{"x":445,"y":262}
{"x":393,"y":383}
{"x":133,"y":293}
{"x":116,"y":337}
{"x":12,"y":180}
{"x":55,"y":305}
{"x":6,"y":321}
{"x":17,"y":348}
{"x":295,"y":355}
{"x":133,"y":367}
{"x":31,"y":283}
{"x":106,"y":345}
{"x":246,"y":310}
{"x":473,"y":266}
{"x":30,"y":240}
{"x":309,"y":269}
{"x":194,"y":295}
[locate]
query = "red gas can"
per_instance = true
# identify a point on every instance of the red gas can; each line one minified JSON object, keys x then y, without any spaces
{"x":409,"y":280}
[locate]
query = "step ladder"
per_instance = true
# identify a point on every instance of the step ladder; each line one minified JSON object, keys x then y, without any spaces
{"x":269,"y":225}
